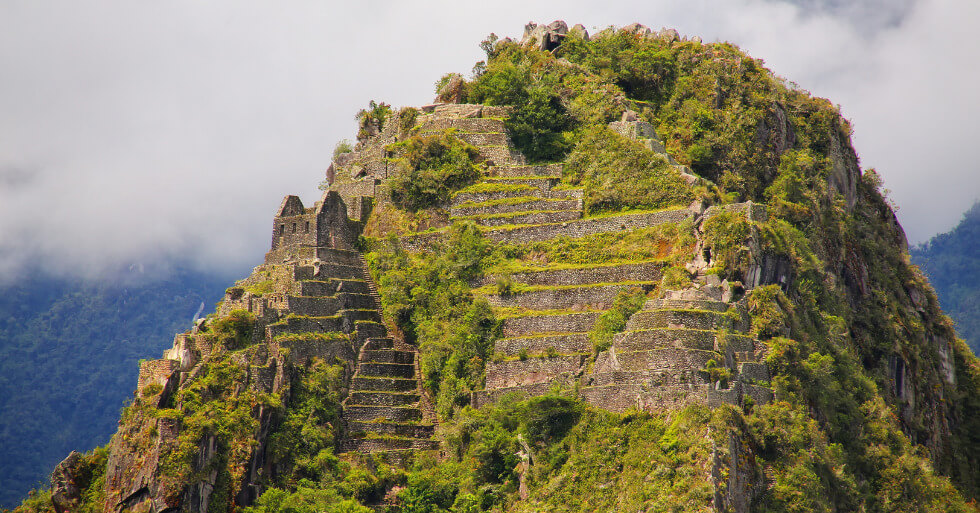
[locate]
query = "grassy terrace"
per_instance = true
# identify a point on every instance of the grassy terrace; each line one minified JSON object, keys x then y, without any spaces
{"x":510,"y":312}
{"x":514,"y":266}
{"x":495,"y":187}
{"x":605,"y":215}
{"x":519,"y":288}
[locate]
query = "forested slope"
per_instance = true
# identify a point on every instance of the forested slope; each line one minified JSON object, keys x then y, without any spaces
{"x":951,"y":260}
{"x":68,"y":353}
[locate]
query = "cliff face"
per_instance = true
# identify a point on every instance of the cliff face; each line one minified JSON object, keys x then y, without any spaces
{"x":703,"y":303}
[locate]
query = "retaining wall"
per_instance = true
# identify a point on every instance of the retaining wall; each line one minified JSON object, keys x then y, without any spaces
{"x":532,"y":370}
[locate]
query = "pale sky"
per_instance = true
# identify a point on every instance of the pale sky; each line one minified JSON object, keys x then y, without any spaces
{"x":137,"y":131}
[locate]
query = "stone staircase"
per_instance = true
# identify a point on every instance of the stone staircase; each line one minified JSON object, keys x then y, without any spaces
{"x":663,"y":358}
{"x":666,"y":355}
{"x":546,"y":323}
{"x":382,"y":411}
{"x":518,"y":195}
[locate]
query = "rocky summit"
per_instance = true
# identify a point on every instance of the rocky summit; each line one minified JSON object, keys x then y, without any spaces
{"x":620,"y":271}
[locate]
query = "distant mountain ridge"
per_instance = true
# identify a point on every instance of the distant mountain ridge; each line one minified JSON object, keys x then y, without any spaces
{"x":952,"y":261}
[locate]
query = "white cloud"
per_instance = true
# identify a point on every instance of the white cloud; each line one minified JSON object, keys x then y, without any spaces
{"x":134,"y":130}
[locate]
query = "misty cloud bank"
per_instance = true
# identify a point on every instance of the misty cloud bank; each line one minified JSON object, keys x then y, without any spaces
{"x":143,"y":132}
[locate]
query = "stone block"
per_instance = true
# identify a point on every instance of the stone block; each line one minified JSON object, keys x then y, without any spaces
{"x":575,"y":297}
{"x":533,"y":203}
{"x":388,"y":356}
{"x":586,"y":226}
{"x":549,"y":323}
{"x":532,"y":370}
{"x":517,"y":218}
{"x":567,"y":343}
{"x":395,"y":370}
{"x":667,"y":358}
{"x":547,"y":170}
{"x":753,"y":371}
{"x":357,"y":428}
{"x":389,"y":413}
{"x":665,"y":337}
{"x":641,"y":271}
{"x":382,"y":398}
{"x":384,"y":383}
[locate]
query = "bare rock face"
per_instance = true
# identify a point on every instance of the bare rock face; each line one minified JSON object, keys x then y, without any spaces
{"x":65,"y":492}
{"x":580,"y":31}
{"x":638,"y":29}
{"x":545,"y":37}
{"x":452,"y":90}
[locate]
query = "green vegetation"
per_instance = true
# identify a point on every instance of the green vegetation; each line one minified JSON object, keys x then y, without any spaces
{"x":951,"y":260}
{"x":613,"y":321}
{"x":432,"y":167}
{"x":68,"y":360}
{"x":620,"y":174}
{"x":724,"y":236}
{"x":371,"y":121}
{"x":864,"y":416}
{"x":428,"y":296}
{"x":540,"y":119}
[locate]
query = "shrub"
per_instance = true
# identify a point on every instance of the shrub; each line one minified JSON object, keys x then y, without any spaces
{"x":432,"y":167}
{"x":342,"y":147}
{"x":235,"y":330}
{"x":371,"y":121}
{"x":613,"y":321}
{"x":620,"y":173}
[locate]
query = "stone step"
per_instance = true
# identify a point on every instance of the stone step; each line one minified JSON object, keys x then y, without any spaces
{"x":566,"y":297}
{"x":363,"y":398}
{"x":660,"y":359}
{"x":647,"y":378}
{"x":378,"y":343}
{"x":303,"y":348}
{"x":327,"y":305}
{"x":567,"y":343}
{"x":495,"y":192}
{"x":357,"y":429}
{"x":331,"y":287}
{"x":568,"y":193}
{"x":367,"y":330}
{"x":385,"y":413}
{"x":586,"y":226}
{"x":464,"y":110}
{"x":388,"y":356}
{"x":706,"y":340}
{"x":392,"y":370}
{"x":326,"y":271}
{"x":690,"y":319}
{"x":479,"y":125}
{"x":640,"y":271}
{"x":543,"y":184}
{"x":369,"y":445}
{"x":509,"y":373}
{"x":620,"y":398}
{"x":686,"y":304}
{"x":516,"y":218}
{"x":500,"y":155}
{"x":753,"y":371}
{"x":548,"y":323}
{"x":327,"y":255}
{"x":547,"y":170}
{"x":521,"y":204}
{"x":484,"y":138}
{"x":301,"y":324}
{"x":383,"y":384}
